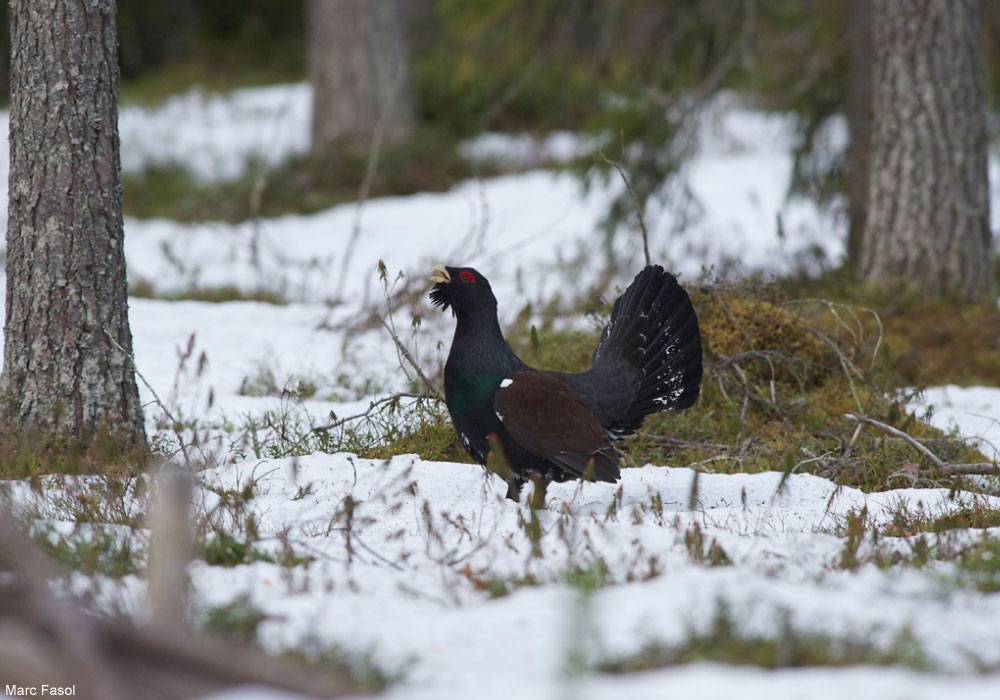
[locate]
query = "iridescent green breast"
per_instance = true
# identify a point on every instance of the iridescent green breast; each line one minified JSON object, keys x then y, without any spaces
{"x":469,"y":393}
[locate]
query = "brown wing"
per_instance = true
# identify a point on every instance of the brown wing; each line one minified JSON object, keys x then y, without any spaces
{"x":548,"y":418}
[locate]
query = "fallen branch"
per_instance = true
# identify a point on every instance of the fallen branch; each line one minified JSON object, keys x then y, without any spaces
{"x":985,"y":468}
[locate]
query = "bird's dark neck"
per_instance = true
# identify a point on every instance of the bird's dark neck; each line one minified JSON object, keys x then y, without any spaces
{"x":479,"y":347}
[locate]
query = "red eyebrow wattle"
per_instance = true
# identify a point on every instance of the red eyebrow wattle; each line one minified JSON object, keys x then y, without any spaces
{"x":466,"y":276}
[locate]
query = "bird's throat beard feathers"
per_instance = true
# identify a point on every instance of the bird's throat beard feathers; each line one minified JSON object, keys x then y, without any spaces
{"x":441,"y":297}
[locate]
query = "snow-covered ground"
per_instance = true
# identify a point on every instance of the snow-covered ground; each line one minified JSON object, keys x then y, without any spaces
{"x":408,"y":577}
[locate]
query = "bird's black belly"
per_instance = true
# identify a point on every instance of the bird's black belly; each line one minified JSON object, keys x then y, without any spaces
{"x":470,"y":404}
{"x":474,"y":432}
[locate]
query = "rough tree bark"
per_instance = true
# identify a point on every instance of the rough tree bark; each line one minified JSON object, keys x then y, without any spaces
{"x":928,"y":202}
{"x":67,"y":369}
{"x":358,"y":65}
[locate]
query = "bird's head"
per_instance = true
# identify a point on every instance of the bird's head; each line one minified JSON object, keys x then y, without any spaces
{"x":462,"y":289}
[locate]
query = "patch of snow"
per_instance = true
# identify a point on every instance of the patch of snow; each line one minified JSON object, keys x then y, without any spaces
{"x":525,"y":151}
{"x":409,"y":580}
{"x":214,"y":136}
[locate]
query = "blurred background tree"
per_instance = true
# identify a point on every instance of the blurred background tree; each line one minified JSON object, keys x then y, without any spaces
{"x":928,"y":211}
{"x":358,"y":62}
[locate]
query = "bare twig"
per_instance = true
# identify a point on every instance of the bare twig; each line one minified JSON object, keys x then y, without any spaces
{"x":854,"y":438}
{"x":845,"y":364}
{"x":635,"y":202}
{"x":131,"y":358}
{"x":372,"y":407}
{"x":404,"y":351}
{"x":156,"y":398}
{"x":832,"y":308}
{"x":746,"y":400}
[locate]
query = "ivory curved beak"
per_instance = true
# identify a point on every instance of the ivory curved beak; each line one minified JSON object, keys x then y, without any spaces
{"x":439,"y":274}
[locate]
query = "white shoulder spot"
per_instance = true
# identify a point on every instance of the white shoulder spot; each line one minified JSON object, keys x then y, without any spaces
{"x":499,"y":415}
{"x":506,"y":383}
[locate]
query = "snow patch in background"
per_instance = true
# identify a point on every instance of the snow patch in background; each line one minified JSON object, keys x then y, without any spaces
{"x":215,"y":137}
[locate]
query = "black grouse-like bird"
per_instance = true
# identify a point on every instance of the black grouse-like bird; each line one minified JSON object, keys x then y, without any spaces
{"x":554,"y":426}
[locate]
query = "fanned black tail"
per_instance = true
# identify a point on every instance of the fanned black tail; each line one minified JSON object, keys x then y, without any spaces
{"x":653,"y":332}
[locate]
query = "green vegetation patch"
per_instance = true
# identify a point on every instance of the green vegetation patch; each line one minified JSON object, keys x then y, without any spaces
{"x":144,"y":289}
{"x":31,"y":454}
{"x":906,"y":523}
{"x":979,"y":565}
{"x":724,"y":642}
{"x":223,"y":549}
{"x":781,"y":377}
{"x":926,"y":341}
{"x":433,"y":439}
{"x":92,"y":550}
{"x":302,"y":184}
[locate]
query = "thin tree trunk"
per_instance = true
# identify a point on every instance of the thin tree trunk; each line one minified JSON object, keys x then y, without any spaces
{"x":67,"y":345}
{"x":928,"y":204}
{"x":358,"y":65}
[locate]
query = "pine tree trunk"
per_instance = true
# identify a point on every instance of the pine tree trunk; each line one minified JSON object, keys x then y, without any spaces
{"x":928,"y":205}
{"x":67,"y":342}
{"x":358,"y":65}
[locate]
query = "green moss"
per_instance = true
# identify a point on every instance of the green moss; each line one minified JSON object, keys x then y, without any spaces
{"x":769,"y":342}
{"x":937,"y":343}
{"x":434,"y":441}
{"x":926,"y":340}
{"x":555,"y":350}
